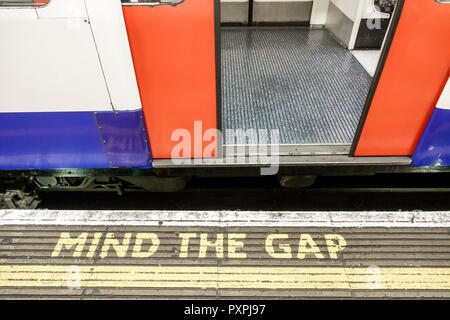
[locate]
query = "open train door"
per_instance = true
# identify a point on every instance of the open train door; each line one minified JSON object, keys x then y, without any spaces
{"x":173,"y":44}
{"x":411,"y":79}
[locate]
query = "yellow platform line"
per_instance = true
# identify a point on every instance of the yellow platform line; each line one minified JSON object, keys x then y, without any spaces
{"x":408,"y":278}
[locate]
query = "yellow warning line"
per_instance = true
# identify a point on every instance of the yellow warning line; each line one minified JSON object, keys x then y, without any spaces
{"x":409,"y":278}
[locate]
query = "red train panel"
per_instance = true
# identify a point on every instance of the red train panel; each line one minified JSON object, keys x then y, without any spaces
{"x":173,"y":50}
{"x":414,"y":76}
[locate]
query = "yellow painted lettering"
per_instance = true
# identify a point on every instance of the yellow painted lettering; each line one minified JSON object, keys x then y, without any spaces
{"x":120,"y":248}
{"x":307,"y":245}
{"x":94,"y":244}
{"x":335,"y":243}
{"x":185,"y":238}
{"x":67,"y":242}
{"x":234,"y":244}
{"x":140,"y":237}
{"x":286,"y":254}
{"x":205,"y":244}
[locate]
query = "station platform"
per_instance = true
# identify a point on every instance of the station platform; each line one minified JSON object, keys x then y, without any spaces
{"x":223,"y":254}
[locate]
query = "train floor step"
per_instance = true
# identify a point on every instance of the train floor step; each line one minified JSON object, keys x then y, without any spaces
{"x":298,"y":80}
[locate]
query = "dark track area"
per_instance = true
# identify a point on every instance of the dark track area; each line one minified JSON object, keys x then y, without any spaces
{"x":381,"y":192}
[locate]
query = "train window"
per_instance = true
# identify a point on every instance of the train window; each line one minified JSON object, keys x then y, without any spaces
{"x":151,"y":2}
{"x":23,"y":3}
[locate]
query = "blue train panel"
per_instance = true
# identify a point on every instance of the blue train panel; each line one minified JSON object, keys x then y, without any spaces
{"x":63,"y":140}
{"x":434,"y":146}
{"x":124,"y":136}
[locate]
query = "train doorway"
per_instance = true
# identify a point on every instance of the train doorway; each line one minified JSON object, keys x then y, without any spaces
{"x":302,"y":68}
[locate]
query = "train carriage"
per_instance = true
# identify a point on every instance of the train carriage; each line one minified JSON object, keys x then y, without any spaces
{"x":98,"y":93}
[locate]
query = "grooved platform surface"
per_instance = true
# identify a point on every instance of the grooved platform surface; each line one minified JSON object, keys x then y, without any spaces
{"x":297,"y":80}
{"x":224,"y":254}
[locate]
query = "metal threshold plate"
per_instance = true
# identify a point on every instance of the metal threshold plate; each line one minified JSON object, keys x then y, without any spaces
{"x":237,"y":161}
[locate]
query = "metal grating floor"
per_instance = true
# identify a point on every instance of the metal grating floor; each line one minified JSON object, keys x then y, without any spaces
{"x":297,"y":80}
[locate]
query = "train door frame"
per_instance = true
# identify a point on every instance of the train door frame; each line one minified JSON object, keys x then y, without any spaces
{"x":345,"y":149}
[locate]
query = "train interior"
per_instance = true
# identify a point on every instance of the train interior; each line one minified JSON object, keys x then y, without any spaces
{"x":302,"y":67}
